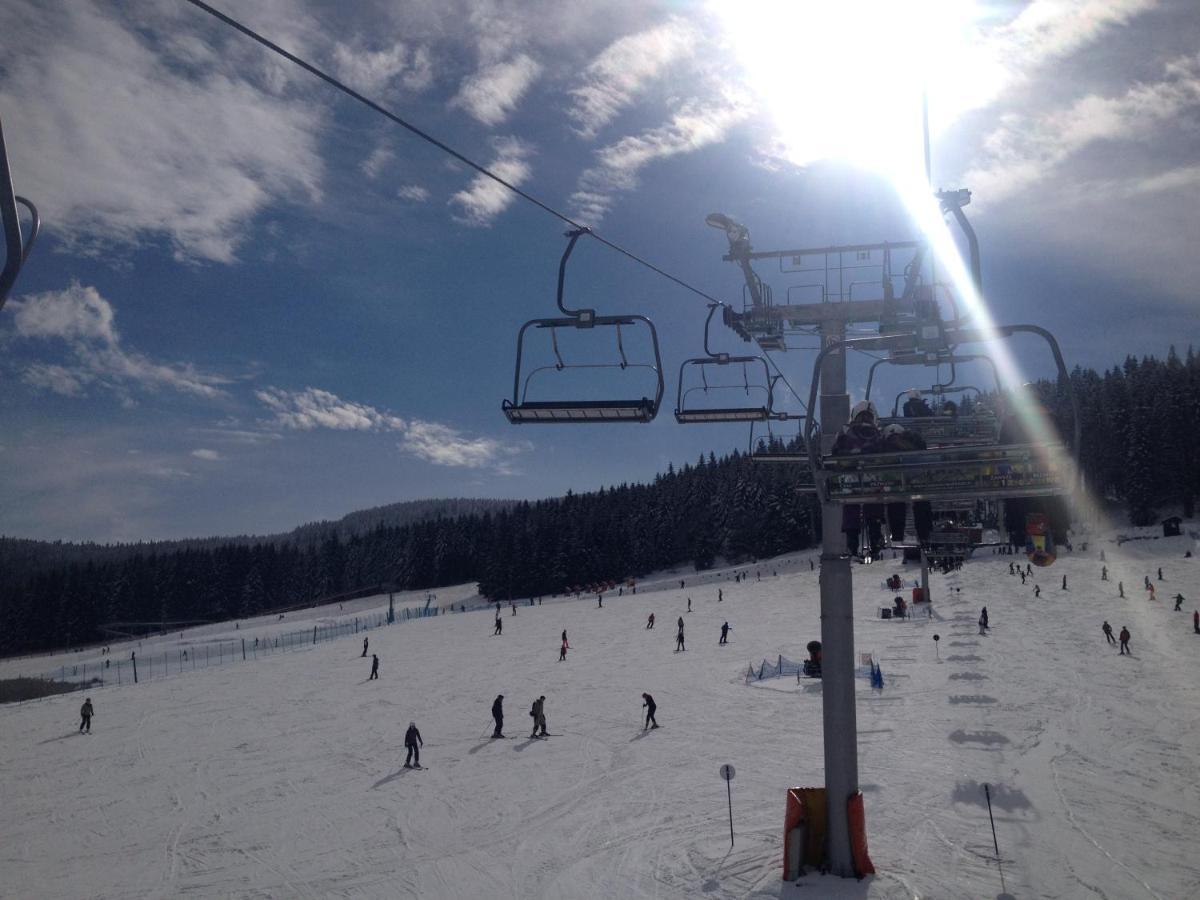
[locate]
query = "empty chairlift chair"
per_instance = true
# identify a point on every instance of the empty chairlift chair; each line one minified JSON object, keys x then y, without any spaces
{"x":693,"y":401}
{"x":522,"y":410}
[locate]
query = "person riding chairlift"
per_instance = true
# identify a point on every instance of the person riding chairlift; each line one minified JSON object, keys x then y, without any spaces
{"x":915,"y":406}
{"x":860,"y":435}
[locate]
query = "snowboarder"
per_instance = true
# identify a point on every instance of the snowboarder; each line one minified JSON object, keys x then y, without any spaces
{"x":85,"y":716}
{"x":364,"y":653}
{"x":1121,"y":589}
{"x":650,"y":621}
{"x":1104,"y":573}
{"x":679,"y":637}
{"x":1179,"y":603}
{"x":724,"y":634}
{"x":539,"y":716}
{"x":650,"y":706}
{"x":498,"y":715}
{"x":412,"y":741}
{"x":499,"y":625}
{"x":1107,"y":629}
{"x":374,"y":667}
{"x":1125,"y":641}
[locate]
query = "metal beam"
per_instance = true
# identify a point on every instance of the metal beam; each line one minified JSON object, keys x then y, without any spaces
{"x":819,"y":313}
{"x":815,"y":251}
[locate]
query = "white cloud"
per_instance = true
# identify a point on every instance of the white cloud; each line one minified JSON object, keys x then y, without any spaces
{"x":484,"y":199}
{"x":696,"y":124}
{"x":444,"y":446}
{"x":495,"y":90}
{"x":314,"y":408}
{"x":1025,"y":151}
{"x":57,"y":379}
{"x":413,"y":193}
{"x":143,"y":144}
{"x":375,"y":72}
{"x":612,"y":81}
{"x":84,"y":320}
{"x":206,"y":454}
{"x":374,"y":164}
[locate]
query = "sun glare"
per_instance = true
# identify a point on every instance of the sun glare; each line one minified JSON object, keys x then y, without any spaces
{"x":847,"y":80}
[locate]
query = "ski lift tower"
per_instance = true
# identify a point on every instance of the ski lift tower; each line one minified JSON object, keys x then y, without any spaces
{"x":839,"y":286}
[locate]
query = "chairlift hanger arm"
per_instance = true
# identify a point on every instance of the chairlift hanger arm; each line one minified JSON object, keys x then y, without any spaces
{"x":16,"y":245}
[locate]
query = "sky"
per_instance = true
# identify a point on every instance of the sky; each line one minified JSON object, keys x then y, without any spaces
{"x":257,"y":303}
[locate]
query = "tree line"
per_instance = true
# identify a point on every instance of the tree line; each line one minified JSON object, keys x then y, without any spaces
{"x":730,"y":507}
{"x":1140,"y":447}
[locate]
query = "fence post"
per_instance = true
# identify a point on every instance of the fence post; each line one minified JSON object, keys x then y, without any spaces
{"x":314,"y":634}
{"x":243,"y":649}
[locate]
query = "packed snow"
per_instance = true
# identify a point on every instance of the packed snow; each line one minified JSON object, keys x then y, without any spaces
{"x":283,"y":776}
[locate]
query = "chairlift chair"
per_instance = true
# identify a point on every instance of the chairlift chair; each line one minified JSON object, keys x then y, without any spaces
{"x":993,"y":470}
{"x":17,"y":244}
{"x":521,"y":410}
{"x":686,"y":413}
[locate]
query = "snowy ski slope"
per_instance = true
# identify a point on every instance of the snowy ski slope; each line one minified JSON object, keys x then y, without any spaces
{"x":283,"y":777}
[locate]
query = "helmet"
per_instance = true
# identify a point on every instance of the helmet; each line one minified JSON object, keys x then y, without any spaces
{"x":914,"y":394}
{"x":893,"y":429}
{"x":862,"y":406}
{"x":412,"y":724}
{"x":543,"y":697}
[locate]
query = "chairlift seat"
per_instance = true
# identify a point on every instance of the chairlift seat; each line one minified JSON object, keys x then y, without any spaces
{"x":559,"y":411}
{"x":950,"y":431}
{"x":731,"y":414}
{"x":1000,"y":471}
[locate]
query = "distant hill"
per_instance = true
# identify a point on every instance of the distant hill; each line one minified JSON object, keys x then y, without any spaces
{"x":22,"y":557}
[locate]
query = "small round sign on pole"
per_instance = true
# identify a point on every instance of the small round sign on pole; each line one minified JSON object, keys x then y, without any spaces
{"x":936,"y":639}
{"x":727,"y":772}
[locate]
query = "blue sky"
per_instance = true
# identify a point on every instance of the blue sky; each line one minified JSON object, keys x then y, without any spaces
{"x":256,"y":303}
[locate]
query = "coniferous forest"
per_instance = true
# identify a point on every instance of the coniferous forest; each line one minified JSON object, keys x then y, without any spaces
{"x":1140,"y":447}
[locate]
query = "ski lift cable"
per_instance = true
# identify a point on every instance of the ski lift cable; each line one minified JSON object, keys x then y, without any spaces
{"x":786,"y":383}
{"x":441,"y":145}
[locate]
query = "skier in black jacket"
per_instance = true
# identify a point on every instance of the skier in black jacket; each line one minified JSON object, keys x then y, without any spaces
{"x":650,"y":706}
{"x":412,"y":740}
{"x":539,"y":716}
{"x":498,"y":715}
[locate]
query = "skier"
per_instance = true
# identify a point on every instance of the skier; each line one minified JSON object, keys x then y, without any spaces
{"x":1064,"y":587}
{"x":1104,"y":573}
{"x":599,"y":601}
{"x":650,"y":706}
{"x":499,"y":625}
{"x":498,"y":715}
{"x":724,"y":634}
{"x":1160,"y":578}
{"x":539,"y":716}
{"x":720,"y":595}
{"x":374,"y":667}
{"x":679,"y":637}
{"x":514,"y":607}
{"x":1196,"y":621}
{"x":1147,"y":578}
{"x":1125,"y":641}
{"x":1011,"y":571}
{"x":689,"y":604}
{"x":412,"y":740}
{"x":1121,"y":589}
{"x":564,"y":637}
{"x":1178,"y":602}
{"x":983,"y":625}
{"x":562,"y":651}
{"x":983,"y":614}
{"x":650,"y":621}
{"x":85,"y":716}
{"x":1037,"y":590}
{"x":1022,"y":573}
{"x":1107,"y":629}
{"x":364,"y":653}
